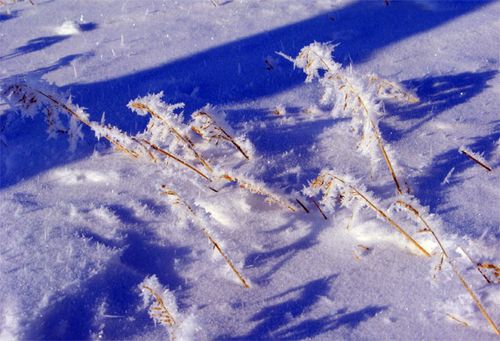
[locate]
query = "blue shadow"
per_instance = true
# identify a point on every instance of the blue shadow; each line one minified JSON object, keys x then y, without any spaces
{"x":72,"y":315}
{"x":437,"y":94}
{"x":276,"y":322}
{"x":38,"y":44}
{"x":237,"y":71}
{"x":232,"y":72}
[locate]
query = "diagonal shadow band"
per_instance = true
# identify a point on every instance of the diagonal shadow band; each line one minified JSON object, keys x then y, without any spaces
{"x":233,"y":72}
{"x":237,"y":71}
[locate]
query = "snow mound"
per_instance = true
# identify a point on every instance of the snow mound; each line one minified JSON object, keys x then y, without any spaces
{"x":68,"y":28}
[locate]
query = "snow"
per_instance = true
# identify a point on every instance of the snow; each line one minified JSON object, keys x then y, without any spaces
{"x":88,"y":224}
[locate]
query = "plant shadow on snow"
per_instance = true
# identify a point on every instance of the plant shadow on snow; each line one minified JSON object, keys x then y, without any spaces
{"x":287,"y":143}
{"x":437,"y":94}
{"x":38,"y":44}
{"x":236,"y":72}
{"x":77,"y":315}
{"x":276,"y":258}
{"x":9,"y":16}
{"x":432,"y":188}
{"x":276,"y":321}
{"x":34,"y":45}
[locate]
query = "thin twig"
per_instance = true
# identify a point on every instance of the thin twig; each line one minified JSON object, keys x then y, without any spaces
{"x":160,"y":311}
{"x":172,"y":156}
{"x":457,"y":273}
{"x":179,"y":136}
{"x":205,"y":231}
{"x":482,"y":164}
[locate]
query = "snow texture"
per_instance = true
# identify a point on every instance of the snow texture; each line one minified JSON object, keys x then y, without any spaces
{"x":160,"y":156}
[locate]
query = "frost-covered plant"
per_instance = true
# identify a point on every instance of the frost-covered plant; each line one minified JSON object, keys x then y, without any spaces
{"x":410,"y":207}
{"x":166,"y":128}
{"x":353,"y":95}
{"x":186,"y":210}
{"x":477,"y":158}
{"x":253,"y":187}
{"x":204,"y":124}
{"x":33,"y":96}
{"x":61,"y":115}
{"x":158,"y":298}
{"x":163,"y":310}
{"x":344,"y":189}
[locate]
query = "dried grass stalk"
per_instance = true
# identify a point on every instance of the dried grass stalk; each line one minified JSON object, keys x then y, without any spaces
{"x":159,"y":311}
{"x":392,"y":91}
{"x":72,"y":113}
{"x":176,"y":158}
{"x":327,"y":185}
{"x":271,"y":198}
{"x":176,"y":199}
{"x":462,"y":280}
{"x":183,"y":139}
{"x":211,"y":131}
{"x":496,"y":269}
{"x":480,"y":266}
{"x":476,"y":159}
{"x":456,"y":319}
{"x":351,"y":93}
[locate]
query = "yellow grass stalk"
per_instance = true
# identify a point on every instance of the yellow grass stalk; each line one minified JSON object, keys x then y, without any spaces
{"x":218,"y":132}
{"x":257,"y":189}
{"x":476,"y":300}
{"x":117,"y":145}
{"x":320,"y":181}
{"x":364,"y":109}
{"x":456,"y":319}
{"x":480,"y":266}
{"x":185,"y":141}
{"x":467,"y":287}
{"x":159,"y":311}
{"x":386,"y":86}
{"x":177,"y":200}
{"x":176,"y":158}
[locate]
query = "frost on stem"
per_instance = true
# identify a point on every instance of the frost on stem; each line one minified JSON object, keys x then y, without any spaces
{"x":253,"y":187}
{"x":166,"y":128}
{"x":314,"y":58}
{"x":199,"y":221}
{"x":477,"y":158}
{"x":33,"y":97}
{"x":161,"y":302}
{"x":355,"y":96}
{"x":336,"y":189}
{"x":206,"y":123}
{"x":162,"y":308}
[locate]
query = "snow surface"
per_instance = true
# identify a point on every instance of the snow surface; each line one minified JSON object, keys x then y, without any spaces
{"x":82,"y":232}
